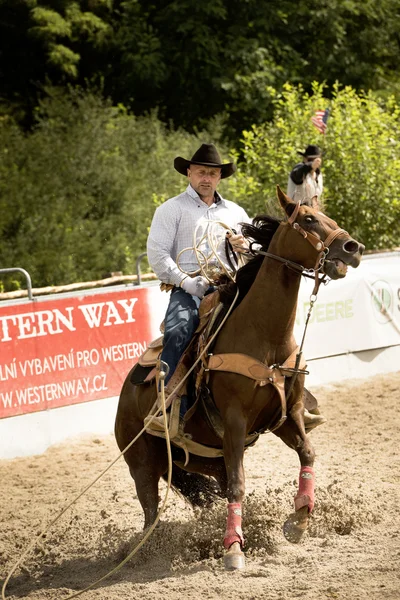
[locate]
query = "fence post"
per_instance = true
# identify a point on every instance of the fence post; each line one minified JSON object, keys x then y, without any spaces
{"x":138,"y":261}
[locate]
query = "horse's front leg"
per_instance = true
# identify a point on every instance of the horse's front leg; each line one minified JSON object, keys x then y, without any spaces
{"x":234,"y":440}
{"x":293,"y":434}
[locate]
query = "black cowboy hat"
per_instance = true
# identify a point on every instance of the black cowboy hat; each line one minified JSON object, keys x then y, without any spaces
{"x":311,"y":150}
{"x":207,"y":155}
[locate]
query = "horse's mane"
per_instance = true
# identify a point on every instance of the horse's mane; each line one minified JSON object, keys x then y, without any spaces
{"x":259,"y":232}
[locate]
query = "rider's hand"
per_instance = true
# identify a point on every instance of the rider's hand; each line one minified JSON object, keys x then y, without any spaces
{"x":196,"y":286}
{"x":238,"y":242}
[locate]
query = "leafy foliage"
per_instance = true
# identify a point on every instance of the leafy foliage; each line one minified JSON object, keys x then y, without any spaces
{"x":77,"y":195}
{"x":193,"y":60}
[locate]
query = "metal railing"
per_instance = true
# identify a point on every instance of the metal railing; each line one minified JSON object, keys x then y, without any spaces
{"x":27,"y":277}
{"x":29,"y":282}
{"x":138,"y":272}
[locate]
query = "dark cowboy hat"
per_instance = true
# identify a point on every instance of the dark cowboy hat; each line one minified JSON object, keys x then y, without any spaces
{"x":208,"y":156}
{"x":311,"y":150}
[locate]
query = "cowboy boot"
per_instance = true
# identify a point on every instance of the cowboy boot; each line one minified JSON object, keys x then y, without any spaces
{"x":175,"y":420}
{"x":312,"y":420}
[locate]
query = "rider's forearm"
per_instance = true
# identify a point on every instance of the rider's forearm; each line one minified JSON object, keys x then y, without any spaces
{"x":165,"y":267}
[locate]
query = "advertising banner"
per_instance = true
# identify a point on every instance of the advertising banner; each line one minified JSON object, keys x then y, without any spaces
{"x":65,"y":350}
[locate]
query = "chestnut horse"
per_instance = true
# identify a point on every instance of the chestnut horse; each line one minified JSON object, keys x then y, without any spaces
{"x":259,"y":331}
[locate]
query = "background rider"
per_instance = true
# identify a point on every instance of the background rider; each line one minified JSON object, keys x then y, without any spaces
{"x":305,"y":180}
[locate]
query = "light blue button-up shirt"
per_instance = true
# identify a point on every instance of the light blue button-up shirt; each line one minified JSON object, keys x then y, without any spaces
{"x":172,"y":230}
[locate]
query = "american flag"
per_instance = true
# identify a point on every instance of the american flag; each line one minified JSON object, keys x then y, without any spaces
{"x":319,"y":120}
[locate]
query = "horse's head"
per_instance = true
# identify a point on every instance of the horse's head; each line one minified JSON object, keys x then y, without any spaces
{"x":317,"y":241}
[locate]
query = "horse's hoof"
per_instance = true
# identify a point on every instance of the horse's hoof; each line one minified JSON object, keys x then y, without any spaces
{"x":295,"y":526}
{"x":234,"y":558}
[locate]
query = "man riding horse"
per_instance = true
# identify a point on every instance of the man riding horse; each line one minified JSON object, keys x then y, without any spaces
{"x":251,"y":380}
{"x":171,"y":237}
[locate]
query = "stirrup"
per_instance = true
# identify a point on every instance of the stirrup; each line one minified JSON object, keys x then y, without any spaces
{"x":156,"y":423}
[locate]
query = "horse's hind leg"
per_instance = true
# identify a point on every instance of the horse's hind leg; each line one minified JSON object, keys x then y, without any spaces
{"x":293,"y":434}
{"x":147,"y":463}
{"x":147,"y":457}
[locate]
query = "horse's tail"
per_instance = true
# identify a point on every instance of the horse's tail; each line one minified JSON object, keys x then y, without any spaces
{"x":197,"y":489}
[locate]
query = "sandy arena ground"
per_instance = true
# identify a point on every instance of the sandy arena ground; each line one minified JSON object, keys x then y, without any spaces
{"x":351,"y":551}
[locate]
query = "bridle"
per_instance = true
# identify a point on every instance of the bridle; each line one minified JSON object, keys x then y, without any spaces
{"x":321,"y":246}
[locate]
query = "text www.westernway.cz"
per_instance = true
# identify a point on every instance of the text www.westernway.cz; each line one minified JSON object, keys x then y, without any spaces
{"x":54,"y":391}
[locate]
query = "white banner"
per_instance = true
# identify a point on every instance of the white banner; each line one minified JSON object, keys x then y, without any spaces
{"x":359,"y":312}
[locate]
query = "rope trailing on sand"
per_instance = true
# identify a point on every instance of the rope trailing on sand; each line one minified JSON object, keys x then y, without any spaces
{"x":154,"y":411}
{"x":148,"y":533}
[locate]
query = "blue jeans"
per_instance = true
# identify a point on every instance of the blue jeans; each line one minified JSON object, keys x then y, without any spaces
{"x":181,"y":321}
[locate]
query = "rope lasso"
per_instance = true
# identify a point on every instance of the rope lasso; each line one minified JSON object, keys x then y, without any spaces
{"x":59,"y":515}
{"x":162,"y":375}
{"x":210,"y":238}
{"x":143,"y":430}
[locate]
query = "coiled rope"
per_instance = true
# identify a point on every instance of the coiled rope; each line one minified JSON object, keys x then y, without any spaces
{"x":211,"y":239}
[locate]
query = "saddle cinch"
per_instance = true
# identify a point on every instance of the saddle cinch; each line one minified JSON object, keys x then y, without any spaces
{"x":211,"y":313}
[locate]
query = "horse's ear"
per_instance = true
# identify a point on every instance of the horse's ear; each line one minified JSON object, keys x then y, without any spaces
{"x":287,"y":204}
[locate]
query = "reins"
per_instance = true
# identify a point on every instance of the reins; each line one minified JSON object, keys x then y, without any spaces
{"x":296,"y":369}
{"x":288,"y":263}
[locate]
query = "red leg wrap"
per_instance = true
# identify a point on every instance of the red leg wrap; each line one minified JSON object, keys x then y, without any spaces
{"x":233,"y":531}
{"x":305,"y":495}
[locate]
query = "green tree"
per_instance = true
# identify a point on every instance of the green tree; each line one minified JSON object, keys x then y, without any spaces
{"x":192,"y":60}
{"x":78,"y":193}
